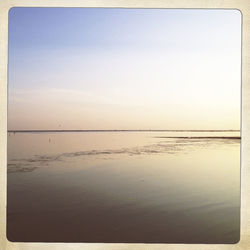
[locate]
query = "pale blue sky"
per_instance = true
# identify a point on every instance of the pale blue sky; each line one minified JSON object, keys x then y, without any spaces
{"x":99,"y":68}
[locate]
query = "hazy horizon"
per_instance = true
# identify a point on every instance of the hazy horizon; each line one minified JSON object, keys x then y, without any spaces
{"x":124,"y":69}
{"x":200,"y":130}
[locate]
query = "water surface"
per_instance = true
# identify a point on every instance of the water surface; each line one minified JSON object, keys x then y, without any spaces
{"x":151,"y":187}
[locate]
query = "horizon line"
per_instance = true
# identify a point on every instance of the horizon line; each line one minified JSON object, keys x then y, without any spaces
{"x":122,"y":130}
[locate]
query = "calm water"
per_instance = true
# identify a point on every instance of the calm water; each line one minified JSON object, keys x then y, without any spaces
{"x":124,"y":187}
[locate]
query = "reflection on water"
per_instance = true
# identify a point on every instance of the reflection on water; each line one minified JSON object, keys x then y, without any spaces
{"x":165,"y":187}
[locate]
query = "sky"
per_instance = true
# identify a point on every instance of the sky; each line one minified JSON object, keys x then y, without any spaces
{"x":103,"y":68}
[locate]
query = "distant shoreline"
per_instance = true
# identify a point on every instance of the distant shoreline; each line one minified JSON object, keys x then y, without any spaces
{"x":200,"y":137}
{"x":118,"y":130}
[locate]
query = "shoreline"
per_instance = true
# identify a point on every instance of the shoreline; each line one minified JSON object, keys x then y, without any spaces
{"x":115,"y":130}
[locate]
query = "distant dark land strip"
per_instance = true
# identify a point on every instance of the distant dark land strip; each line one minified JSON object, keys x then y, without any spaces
{"x":200,"y":137}
{"x":115,"y":130}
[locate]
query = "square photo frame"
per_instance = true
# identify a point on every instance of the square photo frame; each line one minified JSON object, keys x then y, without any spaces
{"x":130,"y":146}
